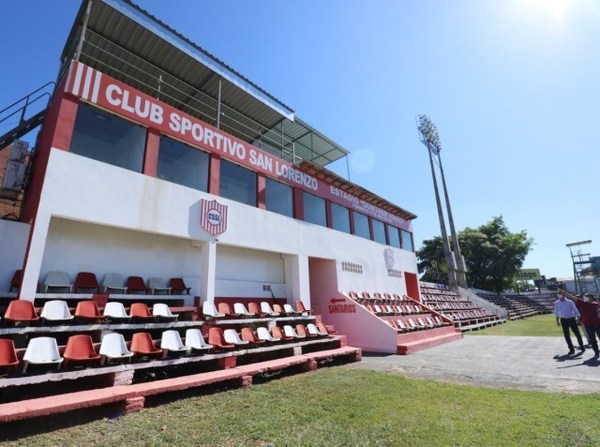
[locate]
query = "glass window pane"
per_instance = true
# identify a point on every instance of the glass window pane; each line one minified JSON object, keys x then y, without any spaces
{"x":407,"y":241}
{"x":340,"y":216}
{"x":394,"y":235}
{"x":361,"y":225}
{"x":108,"y":138}
{"x":182,"y":164}
{"x":237,"y":183}
{"x":278,"y":198}
{"x":314,"y":210}
{"x":378,"y":231}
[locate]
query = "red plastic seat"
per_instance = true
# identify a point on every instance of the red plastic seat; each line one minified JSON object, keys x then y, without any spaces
{"x":80,"y":351}
{"x":278,"y":309}
{"x":139,"y":311}
{"x":249,"y":336}
{"x":225,"y":308}
{"x":323,"y":328}
{"x":142,"y":345}
{"x":20,"y":311}
{"x":276,"y":332}
{"x":217,"y":339}
{"x":88,"y":311}
{"x":178,"y":286}
{"x":135,"y":284}
{"x":8,"y":355}
{"x":86,"y":281}
{"x":301,"y":330}
{"x":301,"y":309}
{"x":255,"y":309}
{"x":16,"y":280}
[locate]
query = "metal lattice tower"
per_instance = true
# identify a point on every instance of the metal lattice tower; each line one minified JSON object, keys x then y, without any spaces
{"x":581,"y":262}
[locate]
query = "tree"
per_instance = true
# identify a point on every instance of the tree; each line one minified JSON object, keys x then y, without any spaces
{"x":493,"y":255}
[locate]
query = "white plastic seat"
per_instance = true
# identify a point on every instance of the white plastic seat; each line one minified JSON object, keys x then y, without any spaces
{"x":195,"y":341}
{"x":114,"y":348}
{"x":288,"y":309}
{"x":267,"y":309}
{"x":42,"y":351}
{"x":262,"y":333}
{"x":57,"y":280}
{"x":171,"y":342}
{"x":163,"y":312}
{"x":314,"y":330}
{"x":113,"y":281}
{"x":291,"y":332}
{"x":210,"y":310}
{"x":56,"y":310}
{"x":231,"y":336}
{"x":240,"y":309}
{"x":115,"y":311}
{"x":158,"y":286}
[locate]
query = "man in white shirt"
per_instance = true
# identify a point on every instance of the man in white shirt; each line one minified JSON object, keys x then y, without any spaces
{"x":567,"y":316}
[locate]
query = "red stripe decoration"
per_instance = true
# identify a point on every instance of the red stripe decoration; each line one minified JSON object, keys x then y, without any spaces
{"x":213,"y":216}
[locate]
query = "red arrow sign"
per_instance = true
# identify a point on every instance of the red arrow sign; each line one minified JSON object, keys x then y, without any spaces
{"x":339,"y":300}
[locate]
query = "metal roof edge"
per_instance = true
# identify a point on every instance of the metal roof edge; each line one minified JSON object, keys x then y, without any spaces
{"x":321,"y":135}
{"x":151,"y":23}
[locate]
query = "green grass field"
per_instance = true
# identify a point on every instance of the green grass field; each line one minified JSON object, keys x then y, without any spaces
{"x":540,"y":325}
{"x":346,"y":407}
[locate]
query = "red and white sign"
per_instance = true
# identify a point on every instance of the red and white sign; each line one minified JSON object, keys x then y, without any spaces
{"x":335,"y":308}
{"x":213,"y":216}
{"x":110,"y":94}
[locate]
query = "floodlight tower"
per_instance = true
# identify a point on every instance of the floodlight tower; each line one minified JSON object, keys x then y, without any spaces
{"x":461,"y":270}
{"x":431,"y":140}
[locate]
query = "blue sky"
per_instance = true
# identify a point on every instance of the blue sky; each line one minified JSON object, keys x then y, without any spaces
{"x":512,"y":86}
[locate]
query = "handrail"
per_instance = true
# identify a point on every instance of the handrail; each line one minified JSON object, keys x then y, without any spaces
{"x":28,"y":102}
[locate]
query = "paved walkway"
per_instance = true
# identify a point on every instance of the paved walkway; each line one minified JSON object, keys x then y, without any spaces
{"x":532,"y":363}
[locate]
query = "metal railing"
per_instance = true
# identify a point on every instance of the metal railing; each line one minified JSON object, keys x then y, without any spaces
{"x":113,"y":59}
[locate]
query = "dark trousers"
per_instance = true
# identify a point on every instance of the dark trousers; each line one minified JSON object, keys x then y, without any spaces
{"x":593,"y":331}
{"x":570,"y":323}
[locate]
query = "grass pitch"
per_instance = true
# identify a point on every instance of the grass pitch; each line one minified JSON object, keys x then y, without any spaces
{"x":345,"y":407}
{"x":539,"y":326}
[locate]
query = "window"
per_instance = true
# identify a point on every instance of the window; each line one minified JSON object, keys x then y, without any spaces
{"x":314,"y":210}
{"x":237,"y":183}
{"x":108,"y":138}
{"x":182,"y":164}
{"x":340,"y":216}
{"x":361,"y":225}
{"x":394,"y":235}
{"x":278,"y":198}
{"x":407,"y":243}
{"x":378,"y":231}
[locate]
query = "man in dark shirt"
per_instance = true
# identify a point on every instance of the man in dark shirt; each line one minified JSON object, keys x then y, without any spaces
{"x":589,"y":318}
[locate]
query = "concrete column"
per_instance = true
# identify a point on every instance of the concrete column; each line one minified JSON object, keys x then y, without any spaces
{"x":208,"y":266}
{"x":297,"y":278}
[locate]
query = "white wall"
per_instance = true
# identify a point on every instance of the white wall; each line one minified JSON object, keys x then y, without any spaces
{"x":242,"y":272}
{"x":74,"y":247}
{"x":81,"y":189}
{"x":13,"y":243}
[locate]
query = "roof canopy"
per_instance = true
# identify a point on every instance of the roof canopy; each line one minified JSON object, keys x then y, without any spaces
{"x":127,"y":43}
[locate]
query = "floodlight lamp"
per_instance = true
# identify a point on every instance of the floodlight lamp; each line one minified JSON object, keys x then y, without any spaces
{"x":429,"y":134}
